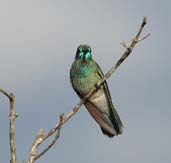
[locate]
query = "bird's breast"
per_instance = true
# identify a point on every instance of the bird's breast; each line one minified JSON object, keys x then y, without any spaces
{"x":83,"y":84}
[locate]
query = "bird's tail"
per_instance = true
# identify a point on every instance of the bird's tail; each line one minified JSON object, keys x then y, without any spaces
{"x":116,"y":122}
{"x":110,"y":126}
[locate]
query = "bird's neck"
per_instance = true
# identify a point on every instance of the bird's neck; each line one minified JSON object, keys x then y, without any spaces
{"x":84,"y":70}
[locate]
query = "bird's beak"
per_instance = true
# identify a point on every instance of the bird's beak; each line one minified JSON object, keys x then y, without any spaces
{"x":83,"y":60}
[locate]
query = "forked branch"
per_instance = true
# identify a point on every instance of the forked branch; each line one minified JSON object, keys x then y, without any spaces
{"x":12,"y":118}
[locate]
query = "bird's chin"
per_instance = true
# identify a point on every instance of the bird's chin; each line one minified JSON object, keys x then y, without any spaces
{"x":83,"y":62}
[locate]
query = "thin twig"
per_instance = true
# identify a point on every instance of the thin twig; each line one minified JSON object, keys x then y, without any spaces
{"x":36,"y":143}
{"x":144,"y":37}
{"x":54,"y":140}
{"x":40,"y":138}
{"x":12,"y":118}
{"x":6,"y":94}
{"x":92,"y":90}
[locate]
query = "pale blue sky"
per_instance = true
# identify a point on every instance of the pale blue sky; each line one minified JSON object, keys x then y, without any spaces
{"x":38,"y":40}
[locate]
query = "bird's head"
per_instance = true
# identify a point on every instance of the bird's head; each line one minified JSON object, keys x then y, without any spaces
{"x":83,"y":53}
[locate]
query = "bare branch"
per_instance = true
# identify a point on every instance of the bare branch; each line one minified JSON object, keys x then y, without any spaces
{"x":54,"y":140}
{"x":124,"y":44}
{"x":144,"y":37}
{"x":6,"y":94}
{"x":35,"y":145}
{"x":12,"y":118}
{"x":41,"y":137}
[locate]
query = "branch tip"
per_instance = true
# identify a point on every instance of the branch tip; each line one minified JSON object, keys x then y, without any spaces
{"x":40,"y":134}
{"x":62,"y":117}
{"x":124,"y":44}
{"x":144,"y":21}
{"x":147,"y":35}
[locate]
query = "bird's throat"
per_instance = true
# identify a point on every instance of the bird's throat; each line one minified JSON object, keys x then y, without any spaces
{"x":83,"y":61}
{"x":84,"y":71}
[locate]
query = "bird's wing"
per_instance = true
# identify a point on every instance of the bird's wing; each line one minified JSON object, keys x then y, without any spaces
{"x":100,"y":119}
{"x":107,"y":128}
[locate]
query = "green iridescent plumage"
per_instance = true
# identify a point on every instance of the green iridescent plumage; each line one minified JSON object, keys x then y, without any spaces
{"x":84,"y":73}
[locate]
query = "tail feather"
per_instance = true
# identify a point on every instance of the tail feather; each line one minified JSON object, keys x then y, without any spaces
{"x":110,"y":124}
{"x":107,"y":127}
{"x":107,"y":133}
{"x":116,"y":121}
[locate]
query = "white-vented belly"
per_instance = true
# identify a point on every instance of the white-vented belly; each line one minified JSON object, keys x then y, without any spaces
{"x":100,"y":100}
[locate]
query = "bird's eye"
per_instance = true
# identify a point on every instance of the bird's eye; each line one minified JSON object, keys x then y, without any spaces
{"x":88,"y":55}
{"x":81,"y":54}
{"x":80,"y":49}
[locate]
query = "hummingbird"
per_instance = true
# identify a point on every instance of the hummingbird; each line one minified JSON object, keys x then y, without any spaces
{"x":84,"y":74}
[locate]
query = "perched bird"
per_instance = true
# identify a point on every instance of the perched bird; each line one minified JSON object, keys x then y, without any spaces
{"x":84,"y":74}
